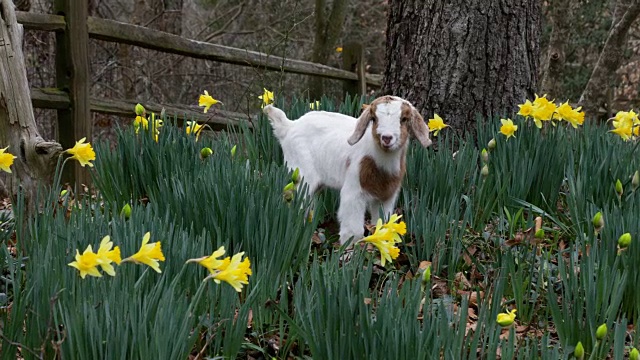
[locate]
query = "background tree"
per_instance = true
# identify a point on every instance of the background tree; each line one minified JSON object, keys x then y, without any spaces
{"x":463,"y":59}
{"x":328,"y":27}
{"x":35,"y":161}
{"x":624,"y":15}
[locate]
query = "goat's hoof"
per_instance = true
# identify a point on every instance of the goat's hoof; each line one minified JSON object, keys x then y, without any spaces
{"x":347,"y":255}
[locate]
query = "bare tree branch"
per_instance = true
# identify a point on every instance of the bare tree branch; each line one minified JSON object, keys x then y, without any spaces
{"x":224,"y":26}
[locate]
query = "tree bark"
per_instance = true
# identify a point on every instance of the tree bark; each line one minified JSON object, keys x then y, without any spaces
{"x":36,"y":158}
{"x":463,"y":59}
{"x":595,"y":93}
{"x":328,"y":30}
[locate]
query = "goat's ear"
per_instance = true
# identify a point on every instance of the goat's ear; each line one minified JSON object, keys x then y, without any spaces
{"x":419,"y":128}
{"x":361,"y":126}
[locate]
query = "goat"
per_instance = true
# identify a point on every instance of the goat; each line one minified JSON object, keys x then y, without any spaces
{"x":330,"y":150}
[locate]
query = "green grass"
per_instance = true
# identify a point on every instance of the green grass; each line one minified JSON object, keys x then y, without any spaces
{"x":302,"y":301}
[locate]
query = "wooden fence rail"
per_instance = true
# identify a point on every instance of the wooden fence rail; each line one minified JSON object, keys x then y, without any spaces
{"x":71,"y":98}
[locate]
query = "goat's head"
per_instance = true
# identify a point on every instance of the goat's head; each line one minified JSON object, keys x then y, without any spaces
{"x":392,"y":119}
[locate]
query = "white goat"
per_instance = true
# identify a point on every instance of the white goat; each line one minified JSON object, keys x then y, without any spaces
{"x":330,"y":150}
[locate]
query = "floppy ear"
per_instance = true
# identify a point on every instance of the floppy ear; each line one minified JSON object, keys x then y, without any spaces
{"x":361,"y":126}
{"x":419,"y":128}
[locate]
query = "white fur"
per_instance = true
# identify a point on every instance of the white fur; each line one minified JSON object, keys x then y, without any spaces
{"x":317,"y":144}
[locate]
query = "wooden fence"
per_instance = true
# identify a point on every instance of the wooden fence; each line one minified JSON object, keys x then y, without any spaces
{"x":74,"y":104}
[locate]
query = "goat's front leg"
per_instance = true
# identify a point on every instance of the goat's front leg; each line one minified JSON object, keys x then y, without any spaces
{"x":388,"y":208}
{"x":351,"y":214}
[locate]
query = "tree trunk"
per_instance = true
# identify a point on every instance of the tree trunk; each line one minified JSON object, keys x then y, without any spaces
{"x":595,"y":93}
{"x":328,"y":30}
{"x":172,"y":16}
{"x":36,"y":158}
{"x":463,"y":59}
{"x":559,"y":17}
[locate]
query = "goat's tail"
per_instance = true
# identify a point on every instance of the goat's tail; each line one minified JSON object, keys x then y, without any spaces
{"x":278,"y":120}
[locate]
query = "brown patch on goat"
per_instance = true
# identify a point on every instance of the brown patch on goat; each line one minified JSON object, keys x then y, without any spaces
{"x":378,"y":182}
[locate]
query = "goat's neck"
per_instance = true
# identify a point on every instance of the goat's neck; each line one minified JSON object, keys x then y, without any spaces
{"x":389,"y":162}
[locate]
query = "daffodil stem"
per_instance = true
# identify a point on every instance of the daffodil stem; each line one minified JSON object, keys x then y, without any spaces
{"x":594,"y":351}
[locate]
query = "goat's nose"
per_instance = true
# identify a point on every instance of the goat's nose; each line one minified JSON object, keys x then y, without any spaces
{"x":386,"y":139}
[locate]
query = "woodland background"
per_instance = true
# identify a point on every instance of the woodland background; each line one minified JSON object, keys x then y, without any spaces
{"x":289,"y":28}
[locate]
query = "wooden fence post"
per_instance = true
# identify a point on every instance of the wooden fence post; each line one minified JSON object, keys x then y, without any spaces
{"x":72,"y":76}
{"x":353,"y":60}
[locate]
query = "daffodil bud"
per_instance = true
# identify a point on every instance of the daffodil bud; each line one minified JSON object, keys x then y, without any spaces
{"x":601,"y":332}
{"x":635,"y":180}
{"x":205,"y":153}
{"x":492,"y":144}
{"x":295,"y":177}
{"x":289,"y":187}
{"x":140,"y":110}
{"x":634,"y":354}
{"x":63,"y":192}
{"x":539,"y":234}
{"x":426,"y":275}
{"x":619,"y":190}
{"x":484,"y":155}
{"x":506,"y":319}
{"x":624,"y":241}
{"x":126,"y":211}
{"x":233,"y":150}
{"x":598,"y":221}
{"x":485,"y":170}
{"x":578,"y":352}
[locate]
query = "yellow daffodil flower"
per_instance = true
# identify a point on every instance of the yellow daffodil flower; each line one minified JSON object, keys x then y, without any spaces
{"x":193,"y":128}
{"x":207,"y":101}
{"x":573,"y":116}
{"x":83,"y":152}
{"x":235,"y":273}
{"x":386,"y":236}
{"x":543,"y":110}
{"x":625,"y":132}
{"x":149,"y":254}
{"x":383,"y":239}
{"x":212,"y":263}
{"x":397,"y":228}
{"x":339,"y":49}
{"x":139,"y":122}
{"x":314,"y":105}
{"x":87,"y":263}
{"x":506,"y":319}
{"x":6,"y":160}
{"x":436,"y":124}
{"x":508,"y":129}
{"x":157,"y":122}
{"x":525,"y":109}
{"x":106,"y":256}
{"x":267,"y":97}
{"x":626,"y":124}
